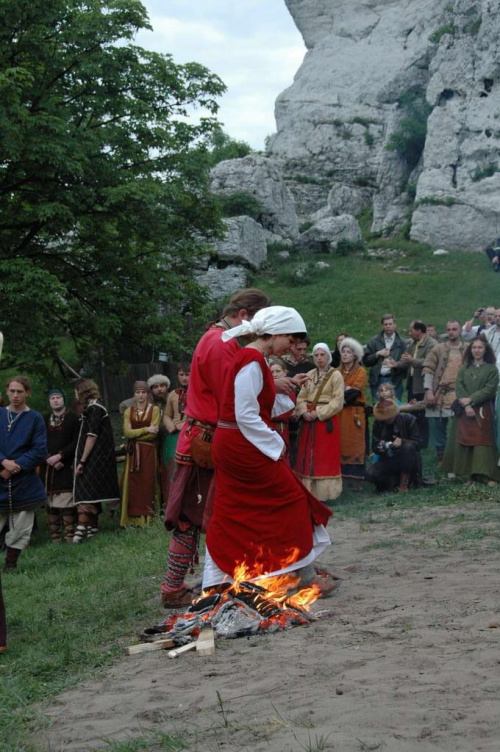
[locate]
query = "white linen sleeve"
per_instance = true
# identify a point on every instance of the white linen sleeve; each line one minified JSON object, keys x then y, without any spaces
{"x":282,"y":404}
{"x":247,"y":387}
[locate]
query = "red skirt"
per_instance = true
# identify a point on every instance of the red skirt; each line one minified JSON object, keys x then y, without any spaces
{"x":263,"y":515}
{"x":318,"y":455}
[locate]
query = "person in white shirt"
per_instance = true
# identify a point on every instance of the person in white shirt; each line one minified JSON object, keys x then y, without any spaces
{"x":486,"y":318}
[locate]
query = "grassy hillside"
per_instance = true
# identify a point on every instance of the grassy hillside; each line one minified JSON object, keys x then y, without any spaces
{"x":405,"y":278}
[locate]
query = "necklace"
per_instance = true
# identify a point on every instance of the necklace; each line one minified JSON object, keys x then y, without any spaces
{"x":11,"y":420}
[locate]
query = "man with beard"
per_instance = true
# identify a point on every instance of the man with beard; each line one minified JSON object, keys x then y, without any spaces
{"x":440,"y":376}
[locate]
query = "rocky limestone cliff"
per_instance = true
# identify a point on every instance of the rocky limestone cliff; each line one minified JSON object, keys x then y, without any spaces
{"x":334,"y":123}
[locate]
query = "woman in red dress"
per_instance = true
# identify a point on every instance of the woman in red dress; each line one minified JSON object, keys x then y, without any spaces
{"x":263,"y":518}
{"x":318,"y":404}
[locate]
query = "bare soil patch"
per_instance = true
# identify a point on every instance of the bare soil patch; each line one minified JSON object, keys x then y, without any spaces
{"x":408,"y":661}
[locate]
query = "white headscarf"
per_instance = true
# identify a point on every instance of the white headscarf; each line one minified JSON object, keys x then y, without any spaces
{"x":270,"y":320}
{"x":323,"y":346}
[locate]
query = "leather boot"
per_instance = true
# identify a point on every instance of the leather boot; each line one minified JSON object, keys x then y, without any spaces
{"x":11,"y":559}
{"x":54,"y":520}
{"x":69,"y":524}
{"x":403,"y":482}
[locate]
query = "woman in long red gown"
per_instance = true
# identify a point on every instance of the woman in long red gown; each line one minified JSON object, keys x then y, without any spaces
{"x":264,"y":517}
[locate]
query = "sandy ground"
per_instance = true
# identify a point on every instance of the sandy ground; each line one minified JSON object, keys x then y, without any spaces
{"x":409,"y":660}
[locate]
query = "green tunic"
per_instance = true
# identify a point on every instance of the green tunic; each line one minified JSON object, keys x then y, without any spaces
{"x":480,"y":383}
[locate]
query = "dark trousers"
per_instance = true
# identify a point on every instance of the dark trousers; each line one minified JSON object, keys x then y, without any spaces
{"x":491,"y":255}
{"x":423,"y":425}
{"x":385,"y":473}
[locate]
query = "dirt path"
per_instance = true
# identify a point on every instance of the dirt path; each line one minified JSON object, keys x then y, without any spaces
{"x":410,"y":659}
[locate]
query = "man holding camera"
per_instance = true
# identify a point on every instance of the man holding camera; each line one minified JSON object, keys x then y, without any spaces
{"x":486,"y":318}
{"x":396,"y":441}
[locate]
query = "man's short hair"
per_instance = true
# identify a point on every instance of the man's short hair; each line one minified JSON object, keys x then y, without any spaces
{"x":454,"y":321}
{"x":387,"y":316}
{"x":419,"y":326}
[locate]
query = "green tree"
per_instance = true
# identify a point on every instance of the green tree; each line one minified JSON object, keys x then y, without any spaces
{"x":104,"y":189}
{"x":224,"y":147}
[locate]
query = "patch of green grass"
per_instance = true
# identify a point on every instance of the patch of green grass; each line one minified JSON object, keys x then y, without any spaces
{"x":70,"y":611}
{"x":437,"y":201}
{"x":354,"y":291}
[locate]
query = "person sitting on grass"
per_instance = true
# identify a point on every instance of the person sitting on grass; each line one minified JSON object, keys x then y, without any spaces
{"x":396,"y":441}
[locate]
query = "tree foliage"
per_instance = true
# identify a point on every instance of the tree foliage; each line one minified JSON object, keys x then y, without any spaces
{"x":104,"y":198}
{"x":224,"y":147}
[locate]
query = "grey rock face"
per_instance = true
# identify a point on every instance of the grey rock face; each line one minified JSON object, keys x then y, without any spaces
{"x":244,"y":243}
{"x":458,"y":193}
{"x":325,"y":235}
{"x":346,"y":199}
{"x":262,"y":178}
{"x":337,"y":118}
{"x":223,"y":282}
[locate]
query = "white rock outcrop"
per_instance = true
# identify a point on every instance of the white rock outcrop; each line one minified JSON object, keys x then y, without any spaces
{"x":222,"y":282}
{"x":262,"y":178}
{"x":334,"y":123}
{"x":325,"y":235}
{"x":244,"y":243}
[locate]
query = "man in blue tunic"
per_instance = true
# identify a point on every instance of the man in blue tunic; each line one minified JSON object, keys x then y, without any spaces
{"x":23,"y":446}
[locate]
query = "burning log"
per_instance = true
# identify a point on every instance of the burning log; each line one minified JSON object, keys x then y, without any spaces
{"x":252,"y":604}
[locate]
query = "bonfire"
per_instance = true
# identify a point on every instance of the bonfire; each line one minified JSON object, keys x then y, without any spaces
{"x":250,"y":603}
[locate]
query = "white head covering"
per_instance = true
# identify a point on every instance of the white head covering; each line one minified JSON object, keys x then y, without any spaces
{"x":271,"y":320}
{"x":323,"y":346}
{"x":355,"y":346}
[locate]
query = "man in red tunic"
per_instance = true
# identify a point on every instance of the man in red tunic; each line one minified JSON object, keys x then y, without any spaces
{"x":189,"y":503}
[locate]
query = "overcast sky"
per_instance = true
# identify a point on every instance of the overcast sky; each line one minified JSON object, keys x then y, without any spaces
{"x":253,"y":45}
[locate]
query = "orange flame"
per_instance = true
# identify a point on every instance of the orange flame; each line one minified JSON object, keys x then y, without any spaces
{"x":278,"y":588}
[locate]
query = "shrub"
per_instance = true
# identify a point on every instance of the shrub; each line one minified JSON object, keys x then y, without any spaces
{"x":365,"y":122}
{"x":411,"y":192}
{"x":473,"y":27}
{"x":447,"y":28}
{"x":338,"y":123}
{"x":305,"y":226}
{"x":485,"y":172}
{"x":409,"y":140}
{"x":437,"y":201}
{"x":223,"y":147}
{"x":305,"y":179}
{"x":346,"y":247}
{"x":369,"y":138}
{"x":236,"y":204}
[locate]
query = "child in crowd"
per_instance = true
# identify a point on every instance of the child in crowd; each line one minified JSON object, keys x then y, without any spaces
{"x":280,"y":422}
{"x":173,"y":418}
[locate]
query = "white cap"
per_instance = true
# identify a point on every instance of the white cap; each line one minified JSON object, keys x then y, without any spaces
{"x":323,"y":346}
